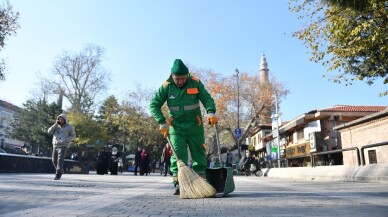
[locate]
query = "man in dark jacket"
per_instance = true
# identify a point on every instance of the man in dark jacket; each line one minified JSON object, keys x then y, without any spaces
{"x":137,"y":160}
{"x":102,"y":162}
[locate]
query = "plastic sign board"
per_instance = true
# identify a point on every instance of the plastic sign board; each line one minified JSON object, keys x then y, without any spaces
{"x":237,"y":133}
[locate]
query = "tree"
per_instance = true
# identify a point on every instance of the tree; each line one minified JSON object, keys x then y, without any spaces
{"x":128,"y":124}
{"x":348,"y":36}
{"x":87,"y":128}
{"x":108,"y":112}
{"x":140,"y":128}
{"x":8,"y":26}
{"x":256,"y":102}
{"x":32,"y":122}
{"x":90,"y":133}
{"x":81,"y":77}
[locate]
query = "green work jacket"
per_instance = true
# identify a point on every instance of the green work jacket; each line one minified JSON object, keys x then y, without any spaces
{"x":183,"y":103}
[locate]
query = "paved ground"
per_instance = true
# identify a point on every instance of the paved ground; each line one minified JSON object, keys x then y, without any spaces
{"x":127,"y":195}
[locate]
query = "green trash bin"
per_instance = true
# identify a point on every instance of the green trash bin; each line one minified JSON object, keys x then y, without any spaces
{"x":221,"y":178}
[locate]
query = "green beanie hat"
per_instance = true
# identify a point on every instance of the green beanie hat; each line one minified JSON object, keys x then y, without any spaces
{"x":179,"y":68}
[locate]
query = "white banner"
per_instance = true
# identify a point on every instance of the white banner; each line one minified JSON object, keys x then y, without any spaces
{"x":313,"y":126}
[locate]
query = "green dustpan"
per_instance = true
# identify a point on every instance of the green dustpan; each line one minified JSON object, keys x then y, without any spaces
{"x":221,"y":178}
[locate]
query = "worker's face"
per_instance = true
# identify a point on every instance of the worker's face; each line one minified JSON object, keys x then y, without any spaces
{"x":179,"y":80}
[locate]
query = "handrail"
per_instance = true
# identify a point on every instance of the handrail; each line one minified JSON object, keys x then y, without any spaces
{"x":370,"y":146}
{"x":335,"y":151}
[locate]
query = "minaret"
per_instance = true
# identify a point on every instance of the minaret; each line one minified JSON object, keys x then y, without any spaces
{"x":264,"y":94}
{"x":263,"y":70}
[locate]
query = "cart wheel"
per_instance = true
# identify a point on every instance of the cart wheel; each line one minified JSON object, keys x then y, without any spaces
{"x":259,"y":173}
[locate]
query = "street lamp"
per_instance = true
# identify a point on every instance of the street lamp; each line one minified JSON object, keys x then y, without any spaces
{"x":277,"y":127}
{"x":238,"y":112}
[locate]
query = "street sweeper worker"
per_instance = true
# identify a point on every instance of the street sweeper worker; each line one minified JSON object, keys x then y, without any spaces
{"x":183,"y":93}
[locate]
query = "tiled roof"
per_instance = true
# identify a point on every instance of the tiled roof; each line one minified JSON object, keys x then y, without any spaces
{"x":8,"y":105}
{"x":353,"y":108}
{"x":368,"y":118}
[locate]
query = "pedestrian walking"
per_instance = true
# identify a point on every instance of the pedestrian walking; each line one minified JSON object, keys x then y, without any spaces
{"x":144,"y":163}
{"x":63,"y":134}
{"x":114,"y":161}
{"x":102,"y":162}
{"x":137,"y":160}
{"x":166,"y":158}
{"x":229,"y":159}
{"x":120,"y":164}
{"x":153,"y":164}
{"x":161,"y":167}
{"x":183,"y":93}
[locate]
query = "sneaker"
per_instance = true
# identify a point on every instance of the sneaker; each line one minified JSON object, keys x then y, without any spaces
{"x":176,"y":192}
{"x":57,"y":176}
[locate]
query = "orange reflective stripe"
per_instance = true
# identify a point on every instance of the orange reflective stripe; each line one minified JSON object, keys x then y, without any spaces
{"x":165,"y":83}
{"x":195,"y":79}
{"x":192,"y":90}
{"x":199,"y":120}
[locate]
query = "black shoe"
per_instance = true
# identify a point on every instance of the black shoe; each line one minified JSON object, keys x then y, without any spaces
{"x":57,"y":176}
{"x":176,"y":192}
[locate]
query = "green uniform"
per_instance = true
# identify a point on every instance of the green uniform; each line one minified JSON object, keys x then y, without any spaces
{"x":185,"y":119}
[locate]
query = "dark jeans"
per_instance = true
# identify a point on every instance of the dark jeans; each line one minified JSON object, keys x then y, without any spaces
{"x":136,"y":166}
{"x":167,"y":165}
{"x":58,"y":157}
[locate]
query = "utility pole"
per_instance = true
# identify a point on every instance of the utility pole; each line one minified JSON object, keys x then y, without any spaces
{"x":277,"y":127}
{"x":238,"y":113}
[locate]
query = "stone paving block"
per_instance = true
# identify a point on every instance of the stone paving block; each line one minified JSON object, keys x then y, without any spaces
{"x":126,"y":195}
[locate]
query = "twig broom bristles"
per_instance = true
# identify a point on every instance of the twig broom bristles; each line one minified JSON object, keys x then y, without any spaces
{"x":191,"y":185}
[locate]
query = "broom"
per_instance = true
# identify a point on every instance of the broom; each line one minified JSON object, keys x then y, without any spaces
{"x":191,"y":185}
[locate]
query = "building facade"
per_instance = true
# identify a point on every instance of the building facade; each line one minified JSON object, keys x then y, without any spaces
{"x":7,"y":112}
{"x":313,"y":133}
{"x":256,"y":141}
{"x":369,"y":130}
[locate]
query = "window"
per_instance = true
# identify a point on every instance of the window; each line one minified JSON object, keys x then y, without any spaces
{"x":372,"y":157}
{"x":300,"y":135}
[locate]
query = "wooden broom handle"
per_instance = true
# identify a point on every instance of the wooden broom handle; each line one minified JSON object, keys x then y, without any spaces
{"x":172,"y":148}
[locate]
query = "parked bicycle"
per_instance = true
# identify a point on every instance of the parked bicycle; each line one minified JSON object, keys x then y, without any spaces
{"x":251,"y":165}
{"x":256,"y":169}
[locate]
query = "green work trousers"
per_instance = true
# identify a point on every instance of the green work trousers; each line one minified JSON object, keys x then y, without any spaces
{"x":197,"y":147}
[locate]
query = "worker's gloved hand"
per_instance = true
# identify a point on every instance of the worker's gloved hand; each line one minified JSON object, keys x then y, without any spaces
{"x":164,"y":129}
{"x":211,"y":119}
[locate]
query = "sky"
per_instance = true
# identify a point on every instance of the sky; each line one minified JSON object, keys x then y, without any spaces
{"x":142,"y":38}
